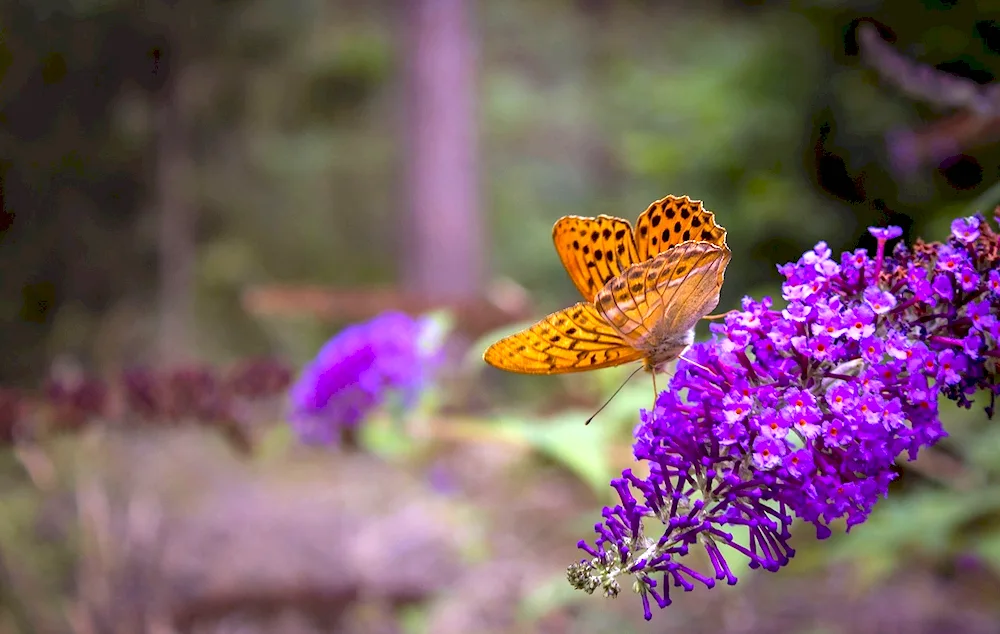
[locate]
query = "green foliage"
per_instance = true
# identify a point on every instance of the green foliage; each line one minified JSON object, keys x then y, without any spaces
{"x":558,"y":437}
{"x":928,"y":524}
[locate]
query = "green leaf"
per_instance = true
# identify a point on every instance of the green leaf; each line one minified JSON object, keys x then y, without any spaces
{"x":546,"y":597}
{"x":565,"y":439}
{"x":928,"y":521}
{"x":274,"y":443}
{"x":982,"y":449}
{"x":989,"y":549}
{"x":385,"y":435}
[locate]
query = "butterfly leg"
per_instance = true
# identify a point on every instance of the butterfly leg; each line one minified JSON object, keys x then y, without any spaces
{"x":720,"y":315}
{"x":656,"y":391}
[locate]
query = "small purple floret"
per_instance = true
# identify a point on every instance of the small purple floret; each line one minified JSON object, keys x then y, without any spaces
{"x":966,"y":230}
{"x":886,"y":233}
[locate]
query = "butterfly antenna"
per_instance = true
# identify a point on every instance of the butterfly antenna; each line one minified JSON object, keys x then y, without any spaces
{"x":613,"y":395}
{"x":698,"y":365}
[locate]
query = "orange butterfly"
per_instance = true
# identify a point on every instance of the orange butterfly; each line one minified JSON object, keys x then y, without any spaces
{"x":645,"y":291}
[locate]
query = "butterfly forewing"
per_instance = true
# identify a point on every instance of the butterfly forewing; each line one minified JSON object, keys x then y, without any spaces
{"x":672,"y":221}
{"x":666,"y":295}
{"x":570,"y":340}
{"x":594,"y":250}
{"x":685,"y":303}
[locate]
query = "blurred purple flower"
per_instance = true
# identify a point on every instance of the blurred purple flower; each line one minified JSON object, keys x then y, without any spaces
{"x":355,"y":372}
{"x":76,"y":402}
{"x":805,"y":416}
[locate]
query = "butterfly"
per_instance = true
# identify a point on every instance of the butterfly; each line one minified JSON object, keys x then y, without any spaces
{"x":644,"y":289}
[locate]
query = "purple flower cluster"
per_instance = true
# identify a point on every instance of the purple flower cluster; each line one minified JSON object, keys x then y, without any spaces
{"x":199,"y":394}
{"x":802,"y":412}
{"x":356,"y":371}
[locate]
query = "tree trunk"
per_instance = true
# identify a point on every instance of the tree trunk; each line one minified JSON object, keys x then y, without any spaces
{"x":176,"y":241}
{"x":444,"y":255}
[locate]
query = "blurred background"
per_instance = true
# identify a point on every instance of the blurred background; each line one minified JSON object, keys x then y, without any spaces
{"x":199,"y":193}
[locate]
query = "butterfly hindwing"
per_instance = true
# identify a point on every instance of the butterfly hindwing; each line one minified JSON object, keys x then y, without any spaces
{"x":594,"y":250}
{"x":671,"y":221}
{"x":574,"y":339}
{"x":665,"y":295}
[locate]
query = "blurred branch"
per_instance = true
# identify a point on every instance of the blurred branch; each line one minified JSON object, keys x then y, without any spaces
{"x":505,"y":303}
{"x":976,"y":124}
{"x":924,"y":82}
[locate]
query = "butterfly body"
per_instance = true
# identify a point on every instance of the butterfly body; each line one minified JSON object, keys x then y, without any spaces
{"x":645,"y":291}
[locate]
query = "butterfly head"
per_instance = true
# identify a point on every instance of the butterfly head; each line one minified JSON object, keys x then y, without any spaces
{"x":668,"y":350}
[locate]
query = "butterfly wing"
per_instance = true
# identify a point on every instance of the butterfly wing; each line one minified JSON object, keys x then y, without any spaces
{"x":594,"y":250}
{"x":665,"y":296}
{"x":673,"y":220}
{"x":574,"y":339}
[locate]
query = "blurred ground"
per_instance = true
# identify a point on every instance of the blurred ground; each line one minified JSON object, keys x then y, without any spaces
{"x":194,"y":540}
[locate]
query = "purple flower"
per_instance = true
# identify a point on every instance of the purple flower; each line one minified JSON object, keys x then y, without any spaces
{"x":737,"y":407}
{"x":861,"y":322}
{"x":775,"y":426}
{"x":800,"y":413}
{"x":356,"y":371}
{"x":950,"y":259}
{"x":982,"y":315}
{"x":951,"y":365}
{"x":966,"y":230}
{"x":968,"y":279}
{"x":993,"y":283}
{"x":972,"y":344}
{"x":767,"y":452}
{"x":878,"y":300}
{"x":943,"y":287}
{"x":886,"y":233}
